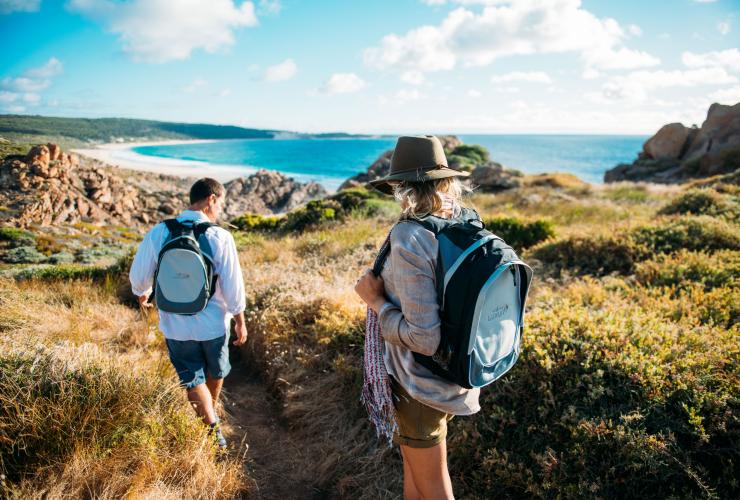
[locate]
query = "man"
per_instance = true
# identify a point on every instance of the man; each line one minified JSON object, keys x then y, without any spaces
{"x":198,"y":343}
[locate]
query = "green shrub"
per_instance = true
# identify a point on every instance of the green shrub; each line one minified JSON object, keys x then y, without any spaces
{"x":591,"y":255}
{"x":520,"y":234}
{"x":255,"y":222}
{"x":690,"y":233}
{"x":627,"y":193}
{"x":23,"y":255}
{"x":314,"y":213}
{"x":361,"y":202}
{"x":697,"y":202}
{"x":685,"y":268}
{"x":8,"y":148}
{"x":15,"y":237}
{"x":610,"y":399}
{"x":466,"y":157}
{"x":64,"y":272}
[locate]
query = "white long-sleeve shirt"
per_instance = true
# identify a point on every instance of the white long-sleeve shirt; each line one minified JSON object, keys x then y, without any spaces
{"x":228,"y":299}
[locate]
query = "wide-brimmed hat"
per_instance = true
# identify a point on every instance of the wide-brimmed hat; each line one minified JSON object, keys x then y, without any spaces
{"x":416,"y":159}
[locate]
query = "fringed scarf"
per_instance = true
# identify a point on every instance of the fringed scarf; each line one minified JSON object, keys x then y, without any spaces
{"x":376,"y":388}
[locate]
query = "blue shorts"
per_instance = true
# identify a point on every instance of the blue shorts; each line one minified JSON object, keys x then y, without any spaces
{"x":193,"y":359}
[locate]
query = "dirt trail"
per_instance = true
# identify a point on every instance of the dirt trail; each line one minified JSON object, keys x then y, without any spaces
{"x":274,"y":459}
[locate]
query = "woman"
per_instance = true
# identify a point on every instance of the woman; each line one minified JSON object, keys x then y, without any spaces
{"x":404,"y":298}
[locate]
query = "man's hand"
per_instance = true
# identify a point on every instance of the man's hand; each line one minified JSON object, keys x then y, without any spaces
{"x":240,"y":329}
{"x":143,"y":302}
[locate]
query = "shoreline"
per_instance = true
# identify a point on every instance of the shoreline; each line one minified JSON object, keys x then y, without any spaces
{"x":122,"y":155}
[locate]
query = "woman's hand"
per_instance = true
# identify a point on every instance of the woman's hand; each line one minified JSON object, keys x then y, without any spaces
{"x":371,"y":290}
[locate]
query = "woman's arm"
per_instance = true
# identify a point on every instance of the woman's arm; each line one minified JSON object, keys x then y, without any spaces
{"x":416,"y":324}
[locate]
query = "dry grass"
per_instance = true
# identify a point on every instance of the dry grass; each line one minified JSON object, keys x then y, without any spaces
{"x":90,"y":406}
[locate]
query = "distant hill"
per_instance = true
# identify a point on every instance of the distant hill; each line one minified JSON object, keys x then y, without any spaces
{"x":27,"y":128}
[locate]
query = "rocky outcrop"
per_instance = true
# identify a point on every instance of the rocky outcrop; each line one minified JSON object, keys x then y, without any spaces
{"x":494,"y":177}
{"x":267,"y":192}
{"x":378,"y":169}
{"x":668,"y":143}
{"x":677,"y":153}
{"x":48,"y":187}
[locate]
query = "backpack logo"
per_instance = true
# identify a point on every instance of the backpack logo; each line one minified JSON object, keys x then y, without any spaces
{"x":497,"y":313}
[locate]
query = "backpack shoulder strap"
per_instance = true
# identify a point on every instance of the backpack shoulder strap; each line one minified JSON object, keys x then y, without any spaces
{"x":201,"y":227}
{"x":173,"y":225}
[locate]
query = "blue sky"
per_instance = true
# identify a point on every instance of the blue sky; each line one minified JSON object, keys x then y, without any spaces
{"x":402,"y":66}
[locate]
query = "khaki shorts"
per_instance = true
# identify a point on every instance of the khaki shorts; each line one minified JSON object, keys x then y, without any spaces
{"x":419,"y":426}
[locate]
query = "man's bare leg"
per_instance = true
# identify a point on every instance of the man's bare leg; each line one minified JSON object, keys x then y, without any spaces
{"x":202,"y":400}
{"x":214,"y":387}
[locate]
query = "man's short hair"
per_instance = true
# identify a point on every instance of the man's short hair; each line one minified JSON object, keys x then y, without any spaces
{"x":205,"y":187}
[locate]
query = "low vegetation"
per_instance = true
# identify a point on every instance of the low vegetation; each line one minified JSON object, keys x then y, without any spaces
{"x":627,"y":384}
{"x":89,"y":405}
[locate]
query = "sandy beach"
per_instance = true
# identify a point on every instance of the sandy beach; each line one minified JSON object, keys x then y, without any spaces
{"x":122,"y":155}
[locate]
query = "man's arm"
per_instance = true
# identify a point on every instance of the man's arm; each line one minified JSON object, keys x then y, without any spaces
{"x":232,"y":287}
{"x":143,"y":266}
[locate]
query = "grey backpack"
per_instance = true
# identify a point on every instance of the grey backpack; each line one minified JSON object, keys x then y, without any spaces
{"x":184,"y":280}
{"x":482,"y":288}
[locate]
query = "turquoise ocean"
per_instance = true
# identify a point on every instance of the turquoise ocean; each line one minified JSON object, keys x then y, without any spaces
{"x":331,"y":161}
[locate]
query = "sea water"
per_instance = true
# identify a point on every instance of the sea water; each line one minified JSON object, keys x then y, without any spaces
{"x":331,"y":161}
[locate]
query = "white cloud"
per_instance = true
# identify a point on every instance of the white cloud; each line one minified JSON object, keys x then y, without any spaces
{"x":728,"y":59}
{"x":664,"y":36}
{"x":24,"y":84}
{"x":8,"y":97}
{"x":634,"y":30}
{"x":637,"y":85}
{"x":724,"y":27}
{"x":729,"y":95}
{"x":158,"y":31}
{"x":224,"y":93}
{"x":473,"y":93}
{"x":506,"y":28}
{"x":195,"y":85}
{"x":269,"y":7}
{"x":26,"y":87}
{"x":31,"y":98}
{"x":590,"y":74}
{"x":413,"y":77}
{"x":281,"y":72}
{"x":704,"y":1}
{"x":53,"y":67}
{"x":522,"y":76}
{"x":343,"y":83}
{"x":9,"y":6}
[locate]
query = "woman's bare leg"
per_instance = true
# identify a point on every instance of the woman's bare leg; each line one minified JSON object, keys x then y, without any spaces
{"x":428,"y":468}
{"x":409,"y":487}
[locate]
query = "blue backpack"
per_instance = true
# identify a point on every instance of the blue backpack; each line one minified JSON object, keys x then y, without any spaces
{"x":482,"y":288}
{"x":184,"y":280}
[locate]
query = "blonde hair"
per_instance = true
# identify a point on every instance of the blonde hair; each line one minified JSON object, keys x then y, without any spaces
{"x":419,"y":199}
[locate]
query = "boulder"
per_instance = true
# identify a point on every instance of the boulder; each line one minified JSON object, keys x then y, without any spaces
{"x":268,"y":192}
{"x":668,"y":143}
{"x":677,"y":153}
{"x":494,"y":177}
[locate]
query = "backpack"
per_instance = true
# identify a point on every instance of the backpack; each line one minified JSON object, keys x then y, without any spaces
{"x":184,"y":279}
{"x":482,"y":288}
